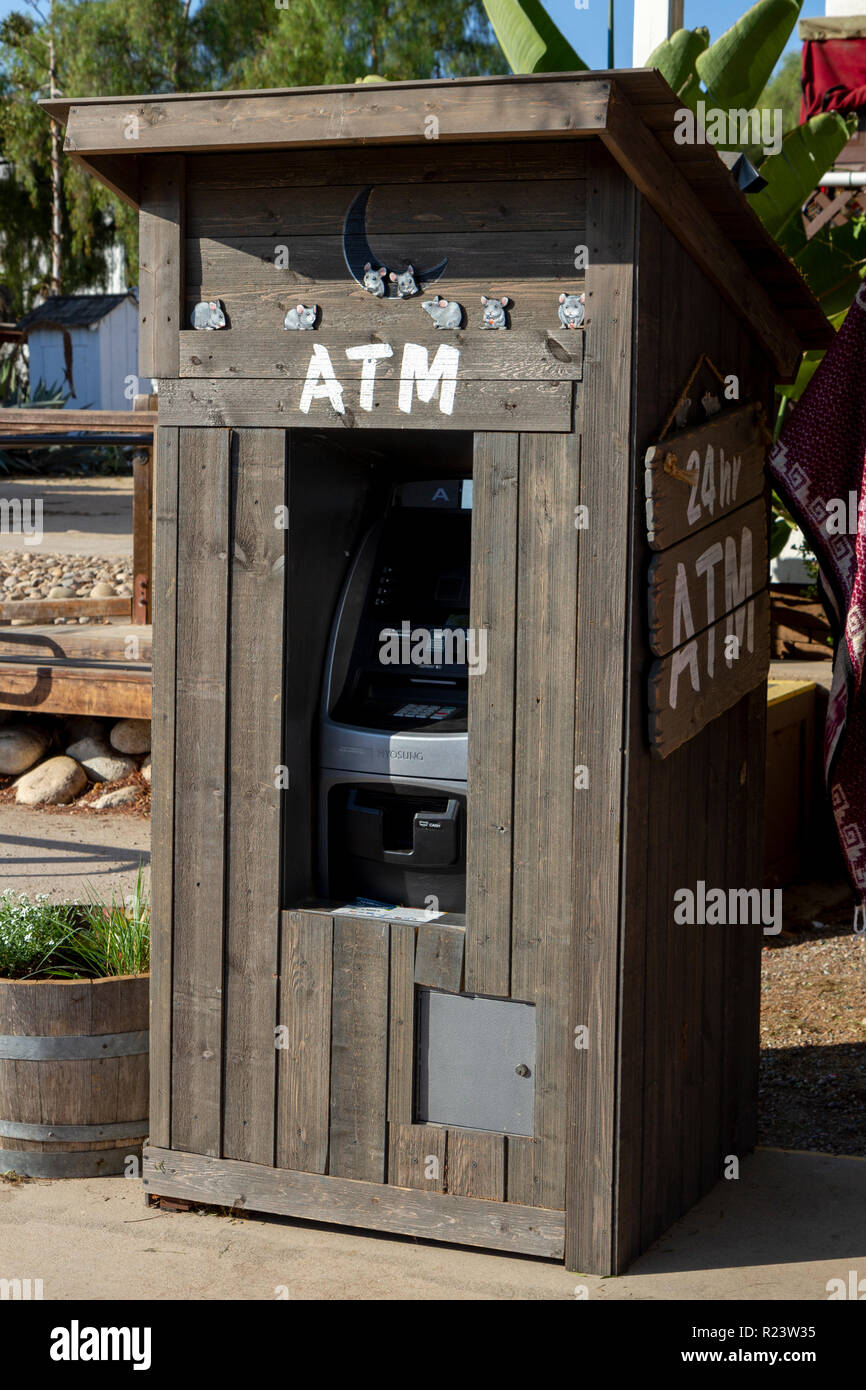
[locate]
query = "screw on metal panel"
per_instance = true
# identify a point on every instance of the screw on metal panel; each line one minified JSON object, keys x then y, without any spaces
{"x":523,"y":1070}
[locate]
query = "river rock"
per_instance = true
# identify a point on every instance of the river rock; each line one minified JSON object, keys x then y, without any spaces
{"x":145,"y":769}
{"x":131,"y":736}
{"x":20,"y":748}
{"x":102,"y":590}
{"x":121,"y":796}
{"x":57,"y":781}
{"x":99,"y":760}
{"x":84,"y":726}
{"x":61,"y":591}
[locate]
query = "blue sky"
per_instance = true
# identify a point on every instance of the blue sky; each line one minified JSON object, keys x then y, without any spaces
{"x":586,"y":29}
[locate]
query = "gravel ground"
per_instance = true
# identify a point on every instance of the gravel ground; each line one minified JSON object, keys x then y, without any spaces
{"x":34,"y":576}
{"x":813,"y":1029}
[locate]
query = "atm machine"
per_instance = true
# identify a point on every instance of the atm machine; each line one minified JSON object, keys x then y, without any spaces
{"x":392,"y":736}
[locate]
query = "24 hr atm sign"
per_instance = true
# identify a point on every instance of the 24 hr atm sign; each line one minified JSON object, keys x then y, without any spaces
{"x":708,"y":599}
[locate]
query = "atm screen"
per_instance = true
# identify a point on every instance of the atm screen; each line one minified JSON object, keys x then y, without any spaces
{"x":409,"y":663}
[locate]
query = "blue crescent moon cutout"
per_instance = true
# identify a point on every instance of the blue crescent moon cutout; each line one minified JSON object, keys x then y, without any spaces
{"x":357,"y":250}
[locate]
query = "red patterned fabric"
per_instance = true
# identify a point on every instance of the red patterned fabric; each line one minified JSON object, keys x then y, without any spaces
{"x":833,"y":76}
{"x":820,"y":458}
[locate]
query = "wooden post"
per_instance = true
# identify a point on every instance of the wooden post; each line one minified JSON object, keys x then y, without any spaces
{"x":141,"y":535}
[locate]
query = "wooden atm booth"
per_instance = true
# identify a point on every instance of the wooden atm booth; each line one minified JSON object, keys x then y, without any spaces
{"x":445,"y":705}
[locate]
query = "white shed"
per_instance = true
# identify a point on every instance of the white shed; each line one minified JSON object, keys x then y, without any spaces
{"x":88,"y":343}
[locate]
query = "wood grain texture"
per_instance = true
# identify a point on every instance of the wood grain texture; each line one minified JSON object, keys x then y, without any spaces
{"x":306,"y":962}
{"x":161,"y":264}
{"x":389,"y":113}
{"x":489,"y":814}
{"x":724,"y":456}
{"x":439,"y":956}
{"x":85,"y":643}
{"x":533,"y":354}
{"x":589,"y":1073}
{"x":488,"y":405}
{"x":343,"y":1202}
{"x":253,"y":806}
{"x":359,"y":1049}
{"x":476,"y":1164}
{"x":678,"y":710}
{"x":721,"y":567}
{"x":401,"y":1028}
{"x":681,"y":208}
{"x":413,"y":1152}
{"x":200,"y":788}
{"x":544,"y":781}
{"x":47,"y":688}
{"x":162,"y":781}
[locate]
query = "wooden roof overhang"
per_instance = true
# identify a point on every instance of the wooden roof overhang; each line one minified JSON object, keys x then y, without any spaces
{"x":632,"y":112}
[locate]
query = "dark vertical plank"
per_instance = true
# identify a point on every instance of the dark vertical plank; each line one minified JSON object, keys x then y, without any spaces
{"x":544,"y":782}
{"x":160,"y":264}
{"x":200,"y":779}
{"x":141,"y":536}
{"x":493,"y":600}
{"x":401,"y":1026}
{"x":414,"y":1151}
{"x":519,"y":1169}
{"x":306,"y":960}
{"x":476,"y":1164}
{"x":359,"y":1049}
{"x":608,"y":491}
{"x":163,"y":783}
{"x":255,"y":744}
{"x":712,"y":1014}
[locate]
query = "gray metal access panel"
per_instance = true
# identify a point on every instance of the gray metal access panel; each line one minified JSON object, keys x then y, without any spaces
{"x":475,"y":1062}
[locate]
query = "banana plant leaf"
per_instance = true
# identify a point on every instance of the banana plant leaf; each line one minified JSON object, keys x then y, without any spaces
{"x":737,"y":67}
{"x":675,"y":59}
{"x":807,"y":153}
{"x":832,"y":263}
{"x":529,"y":38}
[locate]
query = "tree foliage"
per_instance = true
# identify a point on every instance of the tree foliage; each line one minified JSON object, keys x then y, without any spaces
{"x":110,"y":47}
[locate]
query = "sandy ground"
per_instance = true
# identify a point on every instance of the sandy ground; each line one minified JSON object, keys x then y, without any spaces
{"x":60,"y":853}
{"x":80,"y":516}
{"x":789,"y":1224}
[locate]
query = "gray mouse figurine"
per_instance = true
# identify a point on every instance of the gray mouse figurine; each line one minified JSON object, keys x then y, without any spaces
{"x":208,"y":315}
{"x":405,"y":283}
{"x":374,"y":280}
{"x":445,"y":313}
{"x":571,"y":310}
{"x":302,"y":316}
{"x":493,"y":312}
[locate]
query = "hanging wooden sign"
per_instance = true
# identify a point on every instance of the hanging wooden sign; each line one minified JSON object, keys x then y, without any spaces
{"x":695,"y":583}
{"x":708,"y":674}
{"x":698,"y":475}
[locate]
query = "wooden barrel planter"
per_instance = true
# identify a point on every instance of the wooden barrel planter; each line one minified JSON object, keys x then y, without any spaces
{"x":73,"y":1075}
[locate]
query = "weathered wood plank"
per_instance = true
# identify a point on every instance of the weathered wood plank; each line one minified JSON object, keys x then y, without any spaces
{"x":697,"y":682}
{"x":200,"y":771}
{"x":346,"y":308}
{"x":142,"y":535}
{"x":343,"y":1202}
{"x":693,"y":584}
{"x":504,"y":162}
{"x":694,"y":477}
{"x":79,"y":643}
{"x":485,"y":405}
{"x":489,"y":814}
{"x":42,"y":610}
{"x":306,"y":962}
{"x":254,"y":262}
{"x":253,"y":807}
{"x":161,"y":264}
{"x":401,"y":1026}
{"x":359,"y":1049}
{"x":533,"y":354}
{"x":416,"y":1156}
{"x":476,"y":1164}
{"x":162,"y":784}
{"x":396,"y":209}
{"x":544,"y":782}
{"x":18,"y":420}
{"x":439,"y":956}
{"x":651,"y":171}
{"x":57,"y":689}
{"x":390,"y":113}
{"x":588,"y":1060}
